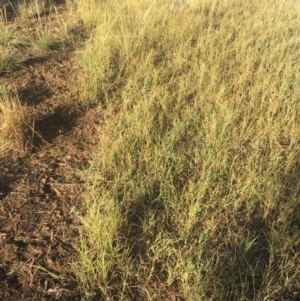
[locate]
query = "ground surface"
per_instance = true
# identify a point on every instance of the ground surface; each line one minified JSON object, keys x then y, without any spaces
{"x":41,"y":189}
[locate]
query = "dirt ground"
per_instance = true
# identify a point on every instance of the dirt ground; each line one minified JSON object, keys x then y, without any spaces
{"x":41,"y":190}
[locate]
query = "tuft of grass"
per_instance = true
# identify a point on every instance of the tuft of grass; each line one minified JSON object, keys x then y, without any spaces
{"x":15,"y":124}
{"x":7,"y":61}
{"x":42,"y":39}
{"x":194,"y":190}
{"x":10,"y":38}
{"x":67,"y":24}
{"x":51,"y":31}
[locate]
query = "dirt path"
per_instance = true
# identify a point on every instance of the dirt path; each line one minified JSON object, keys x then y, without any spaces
{"x":40,"y":192}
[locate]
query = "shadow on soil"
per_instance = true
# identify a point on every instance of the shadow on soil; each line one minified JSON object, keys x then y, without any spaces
{"x":35,"y":60}
{"x":8,"y":174}
{"x":48,"y":127}
{"x":5,"y":188}
{"x":32,"y":97}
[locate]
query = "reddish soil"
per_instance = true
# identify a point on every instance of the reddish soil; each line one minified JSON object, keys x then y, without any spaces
{"x":41,"y":189}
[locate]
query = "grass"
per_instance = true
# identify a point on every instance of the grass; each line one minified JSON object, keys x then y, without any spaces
{"x":7,"y":63}
{"x":9,"y":39}
{"x":15,"y":124}
{"x":42,"y":40}
{"x":33,"y":8}
{"x":88,"y":11}
{"x":193,"y":192}
{"x":12,"y":35}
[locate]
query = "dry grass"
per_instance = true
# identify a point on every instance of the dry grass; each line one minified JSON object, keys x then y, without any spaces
{"x":9,"y":38}
{"x":15,"y":125}
{"x":194,"y":191}
{"x":33,"y":8}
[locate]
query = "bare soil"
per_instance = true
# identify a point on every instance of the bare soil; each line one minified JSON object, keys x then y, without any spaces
{"x":41,"y":189}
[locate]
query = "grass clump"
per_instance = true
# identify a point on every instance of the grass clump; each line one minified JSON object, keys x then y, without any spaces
{"x":42,"y":39}
{"x":10,"y":38}
{"x":194,"y":192}
{"x":7,"y":62}
{"x":15,"y":124}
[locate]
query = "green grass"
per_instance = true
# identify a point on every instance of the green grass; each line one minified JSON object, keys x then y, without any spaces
{"x":194,"y":190}
{"x":42,"y":40}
